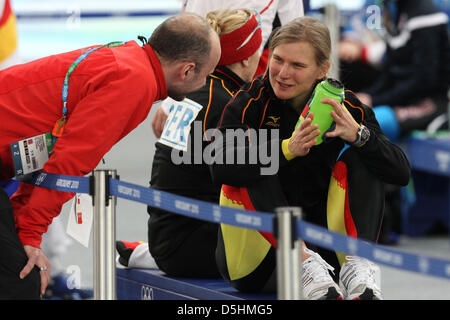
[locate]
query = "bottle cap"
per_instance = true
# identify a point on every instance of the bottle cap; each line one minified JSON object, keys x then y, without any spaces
{"x":333,"y":86}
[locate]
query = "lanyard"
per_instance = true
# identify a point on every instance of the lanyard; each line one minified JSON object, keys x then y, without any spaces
{"x":58,"y":128}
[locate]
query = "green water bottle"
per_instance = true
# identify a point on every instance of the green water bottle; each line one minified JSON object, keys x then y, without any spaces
{"x":328,"y":88}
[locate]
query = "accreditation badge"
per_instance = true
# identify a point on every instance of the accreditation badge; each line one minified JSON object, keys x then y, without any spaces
{"x":30,"y":155}
{"x":178,"y":124}
{"x":81,"y":218}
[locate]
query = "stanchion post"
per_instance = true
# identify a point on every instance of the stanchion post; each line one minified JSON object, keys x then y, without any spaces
{"x":331,"y":20}
{"x":288,"y":254}
{"x":104,"y":236}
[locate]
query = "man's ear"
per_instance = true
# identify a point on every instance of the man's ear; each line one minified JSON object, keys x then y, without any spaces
{"x":187,"y":70}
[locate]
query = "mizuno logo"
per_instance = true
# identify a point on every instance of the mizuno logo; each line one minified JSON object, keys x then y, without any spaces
{"x":273,"y":122}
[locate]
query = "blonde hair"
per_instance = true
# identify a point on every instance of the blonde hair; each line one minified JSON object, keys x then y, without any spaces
{"x":308,"y":30}
{"x":227,"y":20}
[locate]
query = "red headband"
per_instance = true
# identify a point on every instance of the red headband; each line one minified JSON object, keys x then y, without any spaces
{"x":232,"y":46}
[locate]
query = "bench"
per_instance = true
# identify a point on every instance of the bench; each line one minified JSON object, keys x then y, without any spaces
{"x":149,"y":284}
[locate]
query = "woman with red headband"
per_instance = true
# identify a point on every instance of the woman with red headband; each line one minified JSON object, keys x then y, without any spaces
{"x":183,"y":246}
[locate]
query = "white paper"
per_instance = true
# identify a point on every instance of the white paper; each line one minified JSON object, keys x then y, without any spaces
{"x":80,"y":218}
{"x":178,"y":124}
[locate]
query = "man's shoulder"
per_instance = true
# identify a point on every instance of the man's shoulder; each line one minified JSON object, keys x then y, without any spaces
{"x":131,"y":59}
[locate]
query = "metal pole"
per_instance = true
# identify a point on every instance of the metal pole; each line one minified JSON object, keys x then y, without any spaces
{"x":288,"y":254}
{"x":297,"y":254}
{"x":332,"y":21}
{"x":104,"y":237}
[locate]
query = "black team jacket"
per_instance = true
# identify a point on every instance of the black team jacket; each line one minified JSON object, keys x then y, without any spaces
{"x":168,"y":230}
{"x":302,"y":181}
{"x":256,"y":106}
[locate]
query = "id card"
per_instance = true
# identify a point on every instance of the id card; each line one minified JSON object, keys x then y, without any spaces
{"x":81,"y":216}
{"x":30,"y":155}
{"x":178,"y":124}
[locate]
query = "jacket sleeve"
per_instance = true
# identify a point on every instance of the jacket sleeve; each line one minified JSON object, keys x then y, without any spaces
{"x":97,"y":122}
{"x":234,"y":141}
{"x":223,"y":169}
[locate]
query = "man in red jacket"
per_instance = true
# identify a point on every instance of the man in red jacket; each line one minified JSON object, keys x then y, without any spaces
{"x":110,"y":93}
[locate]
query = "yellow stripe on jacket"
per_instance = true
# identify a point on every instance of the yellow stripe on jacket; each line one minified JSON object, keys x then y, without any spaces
{"x":245,"y":249}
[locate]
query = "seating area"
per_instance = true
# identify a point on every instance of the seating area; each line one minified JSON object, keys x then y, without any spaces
{"x":148,"y":284}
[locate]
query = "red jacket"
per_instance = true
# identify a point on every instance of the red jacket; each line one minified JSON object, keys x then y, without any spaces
{"x":110,"y":93}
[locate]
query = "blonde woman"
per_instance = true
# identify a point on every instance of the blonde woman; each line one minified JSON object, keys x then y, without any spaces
{"x":341,"y":192}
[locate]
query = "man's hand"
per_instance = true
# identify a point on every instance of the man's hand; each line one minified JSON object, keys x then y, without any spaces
{"x":36,"y":257}
{"x":159,"y":120}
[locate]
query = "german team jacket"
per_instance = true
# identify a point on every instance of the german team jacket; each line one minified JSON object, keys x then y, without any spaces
{"x":110,"y":93}
{"x":304,"y":180}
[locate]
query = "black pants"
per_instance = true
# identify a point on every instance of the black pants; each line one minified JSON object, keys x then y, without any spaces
{"x":195,"y":256}
{"x":13,"y":259}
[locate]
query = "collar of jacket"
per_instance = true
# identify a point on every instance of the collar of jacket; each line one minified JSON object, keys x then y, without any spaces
{"x":268,"y":87}
{"x":227,"y":75}
{"x":159,"y":74}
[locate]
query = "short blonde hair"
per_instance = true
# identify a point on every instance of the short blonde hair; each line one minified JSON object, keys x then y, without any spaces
{"x":308,"y":30}
{"x":227,"y":20}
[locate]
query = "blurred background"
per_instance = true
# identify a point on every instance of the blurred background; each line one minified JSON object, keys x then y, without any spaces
{"x":46,"y":27}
